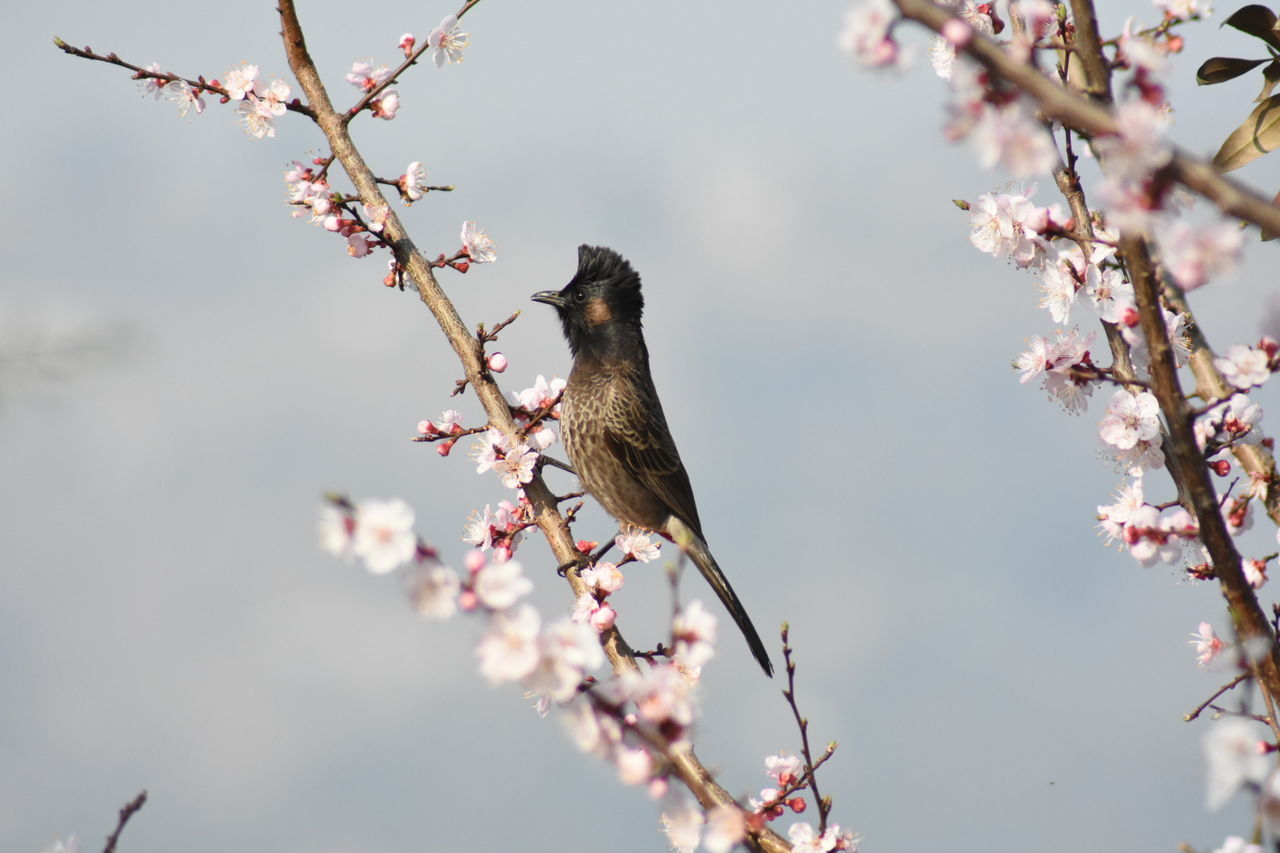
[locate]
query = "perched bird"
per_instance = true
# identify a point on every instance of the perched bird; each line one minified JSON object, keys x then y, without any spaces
{"x":614,"y":430}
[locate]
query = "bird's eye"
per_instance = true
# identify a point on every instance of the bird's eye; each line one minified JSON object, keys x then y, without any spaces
{"x":579,"y":295}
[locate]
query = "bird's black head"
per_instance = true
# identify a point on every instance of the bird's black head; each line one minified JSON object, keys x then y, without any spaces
{"x":602,"y":305}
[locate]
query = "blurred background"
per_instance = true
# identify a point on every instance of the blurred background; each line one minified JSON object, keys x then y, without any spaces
{"x":184,"y":370}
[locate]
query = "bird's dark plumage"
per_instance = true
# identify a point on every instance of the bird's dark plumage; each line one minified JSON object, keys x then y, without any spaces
{"x":614,"y":430}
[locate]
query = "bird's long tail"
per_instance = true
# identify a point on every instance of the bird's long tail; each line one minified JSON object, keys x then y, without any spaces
{"x":701,"y":556}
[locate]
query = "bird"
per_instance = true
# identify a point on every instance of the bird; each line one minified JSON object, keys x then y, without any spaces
{"x":612,"y":422}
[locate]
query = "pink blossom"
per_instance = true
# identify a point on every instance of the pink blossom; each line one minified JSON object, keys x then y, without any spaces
{"x":694,"y":629}
{"x":433,"y":590}
{"x":867,"y":34}
{"x":1138,"y":147}
{"x":335,"y":530}
{"x":784,"y":765}
{"x":1185,"y":8}
{"x":566,"y":651}
{"x":957,"y":32}
{"x":683,"y":826}
{"x":386,"y":105}
{"x":181,"y":93}
{"x":1113,"y":517}
{"x":726,"y":829}
{"x":1193,"y":254}
{"x":1012,"y":136}
{"x":406,"y":43}
{"x":509,"y":649}
{"x":1244,"y":367}
{"x":541,"y":395}
{"x":637,"y":544}
{"x":603,"y":617}
{"x":239,"y":82}
{"x":359,"y":244}
{"x":1230,"y":747}
{"x":153,"y":86}
{"x":447,"y":43}
{"x":412,"y":182}
{"x":1130,"y":418}
{"x":500,"y":585}
{"x":477,"y":243}
{"x":365,"y":77}
{"x":383,"y":535}
{"x":635,"y":766}
{"x":516,"y":466}
{"x":1207,"y":643}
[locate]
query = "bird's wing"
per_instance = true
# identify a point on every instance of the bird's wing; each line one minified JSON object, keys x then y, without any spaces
{"x":636,"y":431}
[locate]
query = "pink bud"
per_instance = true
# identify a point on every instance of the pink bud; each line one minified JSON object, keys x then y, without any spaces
{"x":467,"y":600}
{"x":425,"y":428}
{"x":406,"y":43}
{"x":1130,"y":317}
{"x":474,"y":561}
{"x":797,"y":805}
{"x":444,"y":448}
{"x":497,"y":362}
{"x":957,"y":32}
{"x":658,"y":787}
{"x":1221,"y":467}
{"x":604,"y":617}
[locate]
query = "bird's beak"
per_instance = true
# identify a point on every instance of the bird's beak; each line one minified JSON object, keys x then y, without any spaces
{"x":550,"y":297}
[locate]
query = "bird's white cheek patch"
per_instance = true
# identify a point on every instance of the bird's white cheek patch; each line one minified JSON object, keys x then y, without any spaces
{"x":597,"y":312}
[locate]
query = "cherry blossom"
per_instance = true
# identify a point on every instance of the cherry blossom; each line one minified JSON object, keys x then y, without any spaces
{"x":516,"y":466}
{"x":182,"y":94}
{"x":386,"y":105}
{"x":412,"y":182}
{"x":365,"y":77}
{"x":478,"y":245}
{"x":1244,"y":367}
{"x":726,"y":828}
{"x":384,"y":537}
{"x":942,"y":51}
{"x":1231,"y":750}
{"x":694,"y":629}
{"x":153,"y":86}
{"x":1130,"y":418}
{"x":566,"y":651}
{"x":637,"y":544}
{"x":239,"y":82}
{"x":1011,"y":136}
{"x":433,"y":590}
{"x":866,"y":34}
{"x":1113,"y":517}
{"x":509,"y":649}
{"x":1208,"y":644}
{"x":500,"y":585}
{"x":447,"y":43}
{"x":1193,"y":254}
{"x":683,"y":826}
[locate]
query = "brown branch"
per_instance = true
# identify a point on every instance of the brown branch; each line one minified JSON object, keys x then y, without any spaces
{"x":411,"y":60}
{"x":1187,"y":463}
{"x":824,"y":806}
{"x":139,"y":73}
{"x":1073,"y":110}
{"x":1199,"y":709}
{"x":129,"y":810}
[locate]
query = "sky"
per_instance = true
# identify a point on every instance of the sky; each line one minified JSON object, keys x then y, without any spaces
{"x":185,"y":370}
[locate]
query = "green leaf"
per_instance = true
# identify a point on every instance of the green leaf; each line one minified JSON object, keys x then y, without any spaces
{"x":1257,"y":135}
{"x":1257,"y":21}
{"x":1220,"y":69}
